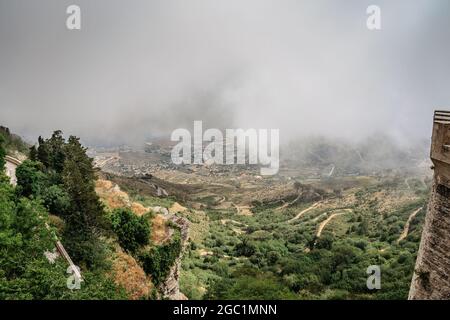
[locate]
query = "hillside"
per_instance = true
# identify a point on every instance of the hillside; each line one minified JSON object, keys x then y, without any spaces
{"x":13,"y":144}
{"x":205,"y":233}
{"x":292,"y":238}
{"x":124,"y":250}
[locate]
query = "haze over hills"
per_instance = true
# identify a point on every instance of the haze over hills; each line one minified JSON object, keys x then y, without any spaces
{"x":353,"y":108}
{"x":224,"y":232}
{"x":302,"y":67}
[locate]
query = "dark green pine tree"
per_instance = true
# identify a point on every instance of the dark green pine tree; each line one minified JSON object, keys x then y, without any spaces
{"x":51,"y":154}
{"x":85,"y":221}
{"x":33,"y":153}
{"x":43,"y":152}
{"x":56,"y":145}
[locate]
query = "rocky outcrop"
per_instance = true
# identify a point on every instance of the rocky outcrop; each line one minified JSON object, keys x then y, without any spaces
{"x":170,"y":288}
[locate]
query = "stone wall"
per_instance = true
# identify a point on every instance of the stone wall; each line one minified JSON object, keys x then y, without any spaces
{"x":431,"y":278}
{"x":170,"y":288}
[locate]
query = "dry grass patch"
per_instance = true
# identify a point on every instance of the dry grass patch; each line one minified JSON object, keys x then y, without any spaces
{"x":160,"y":230}
{"x":129,"y":275}
{"x":114,"y":198}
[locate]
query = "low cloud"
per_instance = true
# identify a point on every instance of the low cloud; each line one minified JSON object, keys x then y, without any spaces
{"x":139,"y":69}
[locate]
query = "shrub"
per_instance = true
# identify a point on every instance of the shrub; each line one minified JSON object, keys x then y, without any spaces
{"x":158,"y":260}
{"x":132,"y":231}
{"x":56,"y":200}
{"x":30,"y":179}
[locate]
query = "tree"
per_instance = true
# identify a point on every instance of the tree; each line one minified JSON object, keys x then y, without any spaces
{"x":25,"y":235}
{"x":245,"y":248}
{"x":363,"y":227}
{"x":325,"y":241}
{"x":132,"y":231}
{"x":43,"y":152}
{"x":33,"y":154}
{"x":23,"y":238}
{"x":262,"y":287}
{"x":56,"y":145}
{"x":85,"y":220}
{"x":51,"y":153}
{"x":56,"y":200}
{"x":30,"y":178}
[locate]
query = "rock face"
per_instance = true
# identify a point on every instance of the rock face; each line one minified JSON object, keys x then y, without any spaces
{"x":431,"y":279}
{"x":432,"y":273}
{"x":170,"y":288}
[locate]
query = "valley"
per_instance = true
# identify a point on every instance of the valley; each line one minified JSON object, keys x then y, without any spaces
{"x":296,"y":235}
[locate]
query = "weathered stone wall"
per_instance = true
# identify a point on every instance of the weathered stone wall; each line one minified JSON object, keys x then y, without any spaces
{"x":170,"y":288}
{"x":431,"y":278}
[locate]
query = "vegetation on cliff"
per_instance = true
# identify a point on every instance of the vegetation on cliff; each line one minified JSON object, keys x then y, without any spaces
{"x":60,"y":178}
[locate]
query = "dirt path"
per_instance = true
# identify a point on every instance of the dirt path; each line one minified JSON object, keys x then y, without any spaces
{"x":325,"y":222}
{"x":303,"y":212}
{"x":222,"y":200}
{"x":408,"y":223}
{"x":225,"y":221}
{"x":287,"y":204}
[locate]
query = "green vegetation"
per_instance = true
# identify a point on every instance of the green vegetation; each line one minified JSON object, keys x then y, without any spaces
{"x":26,"y":234}
{"x":266,"y":257}
{"x":12,"y":143}
{"x":132,"y":231}
{"x":149,"y":201}
{"x":158,"y":260}
{"x":62,"y":178}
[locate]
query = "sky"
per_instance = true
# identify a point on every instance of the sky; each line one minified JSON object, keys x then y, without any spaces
{"x":139,"y":69}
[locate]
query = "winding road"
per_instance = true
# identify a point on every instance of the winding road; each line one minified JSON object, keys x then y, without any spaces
{"x":287,"y":204}
{"x":303,"y":212}
{"x":407,"y":225}
{"x":325,"y":222}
